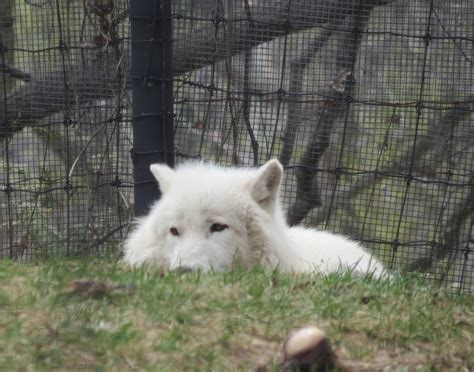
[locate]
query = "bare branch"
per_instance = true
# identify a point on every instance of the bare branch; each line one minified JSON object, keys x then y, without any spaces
{"x":435,"y":138}
{"x":451,"y":238}
{"x":96,"y":79}
{"x":247,"y":96}
{"x":297,"y":68}
{"x":334,"y":106}
{"x":307,"y":194}
{"x":270,"y":19}
{"x":49,"y":94}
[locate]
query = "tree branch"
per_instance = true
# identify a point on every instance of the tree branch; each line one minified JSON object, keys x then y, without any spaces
{"x":435,"y":138}
{"x":95,"y":79}
{"x":270,"y":19}
{"x":451,"y":238}
{"x":307,"y":193}
{"x":333,"y":107}
{"x":297,"y":68}
{"x":47,"y":95}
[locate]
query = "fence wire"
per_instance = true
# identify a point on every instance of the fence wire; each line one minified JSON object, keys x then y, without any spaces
{"x":64,"y":138}
{"x":368,"y":104}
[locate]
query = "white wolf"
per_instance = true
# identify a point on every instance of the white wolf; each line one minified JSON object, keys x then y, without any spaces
{"x":212,"y":217}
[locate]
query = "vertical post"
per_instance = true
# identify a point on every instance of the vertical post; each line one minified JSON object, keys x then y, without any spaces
{"x":152,"y":91}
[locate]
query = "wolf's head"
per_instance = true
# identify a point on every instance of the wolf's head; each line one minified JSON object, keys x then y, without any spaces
{"x":209,"y":216}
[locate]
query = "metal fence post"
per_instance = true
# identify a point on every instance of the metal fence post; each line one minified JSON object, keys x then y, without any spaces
{"x":152,"y":90}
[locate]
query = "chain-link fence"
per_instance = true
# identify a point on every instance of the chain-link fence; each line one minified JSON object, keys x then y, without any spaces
{"x":368,"y":104}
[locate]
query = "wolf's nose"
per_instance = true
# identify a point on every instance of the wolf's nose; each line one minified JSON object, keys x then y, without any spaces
{"x":184,"y":269}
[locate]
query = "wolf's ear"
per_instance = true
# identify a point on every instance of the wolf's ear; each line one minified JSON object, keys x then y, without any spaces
{"x":265,"y":186}
{"x":164,"y":176}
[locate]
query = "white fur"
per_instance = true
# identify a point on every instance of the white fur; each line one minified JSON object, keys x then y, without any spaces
{"x":197,"y":195}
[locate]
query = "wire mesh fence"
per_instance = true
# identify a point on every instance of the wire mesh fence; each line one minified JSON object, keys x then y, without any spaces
{"x":367,"y":103}
{"x":64,"y":136}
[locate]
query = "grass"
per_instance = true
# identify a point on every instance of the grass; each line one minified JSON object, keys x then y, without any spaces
{"x":223,"y":321}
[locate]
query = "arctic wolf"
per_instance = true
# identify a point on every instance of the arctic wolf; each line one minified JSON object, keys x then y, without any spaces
{"x":211,"y":217}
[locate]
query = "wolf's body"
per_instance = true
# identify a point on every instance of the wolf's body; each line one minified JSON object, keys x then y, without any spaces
{"x":215,"y":217}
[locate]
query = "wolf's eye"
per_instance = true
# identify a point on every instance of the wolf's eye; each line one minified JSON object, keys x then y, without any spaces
{"x":216,"y":227}
{"x":174,"y":231}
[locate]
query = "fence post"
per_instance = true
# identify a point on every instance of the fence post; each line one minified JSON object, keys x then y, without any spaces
{"x":152,"y":91}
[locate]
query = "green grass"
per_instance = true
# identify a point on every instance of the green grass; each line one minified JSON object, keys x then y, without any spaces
{"x":223,"y":321}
